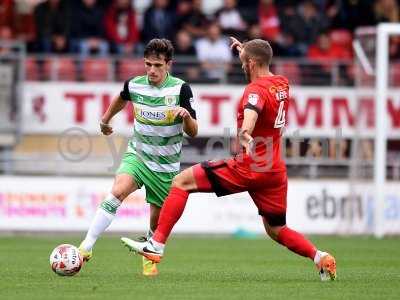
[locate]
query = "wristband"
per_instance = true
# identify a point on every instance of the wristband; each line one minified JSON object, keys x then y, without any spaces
{"x":104,"y":124}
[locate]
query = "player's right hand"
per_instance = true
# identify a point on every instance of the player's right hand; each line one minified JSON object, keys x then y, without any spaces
{"x":105,"y":128}
{"x":236,"y":44}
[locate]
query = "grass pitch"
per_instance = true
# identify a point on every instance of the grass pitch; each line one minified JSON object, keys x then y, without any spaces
{"x":203,"y":268}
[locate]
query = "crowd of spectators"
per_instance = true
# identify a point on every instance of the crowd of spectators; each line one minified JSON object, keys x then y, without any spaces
{"x":303,"y":28}
{"x":319,"y":30}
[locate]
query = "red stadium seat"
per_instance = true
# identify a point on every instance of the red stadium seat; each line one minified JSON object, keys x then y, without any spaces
{"x":357,"y":73}
{"x":394,"y":74}
{"x":32,"y":69}
{"x":130,"y":67}
{"x":342,"y":38}
{"x":63,"y":69}
{"x":96,"y":69}
{"x":291,"y":71}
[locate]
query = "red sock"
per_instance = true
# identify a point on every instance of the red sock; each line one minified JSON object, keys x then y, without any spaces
{"x":171,"y":211}
{"x":296,"y":242}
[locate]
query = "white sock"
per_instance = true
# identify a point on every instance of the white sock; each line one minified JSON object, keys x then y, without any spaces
{"x":103,"y":218}
{"x":318,"y":256}
{"x":158,"y":246}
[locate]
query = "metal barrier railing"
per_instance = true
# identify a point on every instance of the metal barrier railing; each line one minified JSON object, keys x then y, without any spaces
{"x":118,"y":68}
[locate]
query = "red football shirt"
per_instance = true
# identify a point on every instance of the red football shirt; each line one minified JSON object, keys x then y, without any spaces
{"x":269,"y":96}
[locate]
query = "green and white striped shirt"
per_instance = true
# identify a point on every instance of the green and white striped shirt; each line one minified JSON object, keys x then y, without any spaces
{"x":157,"y":138}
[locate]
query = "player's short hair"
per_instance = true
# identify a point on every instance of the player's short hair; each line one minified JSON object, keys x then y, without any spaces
{"x":159,"y":47}
{"x":259,"y":50}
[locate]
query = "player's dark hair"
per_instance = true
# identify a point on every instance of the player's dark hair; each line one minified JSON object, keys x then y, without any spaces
{"x":259,"y":50}
{"x":158,"y":47}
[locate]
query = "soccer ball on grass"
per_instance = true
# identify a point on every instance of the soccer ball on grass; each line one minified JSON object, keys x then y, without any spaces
{"x":65,"y":260}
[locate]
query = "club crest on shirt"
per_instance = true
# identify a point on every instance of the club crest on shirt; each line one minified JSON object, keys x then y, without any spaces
{"x":169,"y":100}
{"x":253,"y":99}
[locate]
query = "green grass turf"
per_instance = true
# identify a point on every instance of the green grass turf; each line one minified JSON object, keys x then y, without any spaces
{"x":203,"y":268}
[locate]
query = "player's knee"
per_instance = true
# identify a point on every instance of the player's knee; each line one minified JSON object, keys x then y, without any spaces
{"x":183,"y":182}
{"x":120,"y":190}
{"x":123,"y":186}
{"x":118,"y":193}
{"x":273,"y":231}
{"x":179,"y":182}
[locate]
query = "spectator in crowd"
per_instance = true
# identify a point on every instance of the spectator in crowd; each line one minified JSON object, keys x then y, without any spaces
{"x":350,"y":14}
{"x":394,"y":50}
{"x":287,"y":46}
{"x":158,"y":21}
{"x":52,"y":22}
{"x":386,"y":11}
{"x":269,"y":20}
{"x":88,"y":30}
{"x":214,"y":53}
{"x":304,"y":25}
{"x":313,"y":21}
{"x":314,"y":149}
{"x":367,"y":150}
{"x":184,"y":44}
{"x":195,"y":21}
{"x":6,"y":23}
{"x":17,"y":22}
{"x":254,"y":32}
{"x":248,"y":10}
{"x":282,"y":43}
{"x":230,"y":20}
{"x":324,"y":50}
{"x":24,"y":22}
{"x":183,"y":10}
{"x":338,"y":148}
{"x":6,"y":19}
{"x":121,"y":28}
{"x":326,"y":55}
{"x":185,"y":68}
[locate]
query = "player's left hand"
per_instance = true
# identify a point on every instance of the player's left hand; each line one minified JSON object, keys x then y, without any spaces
{"x":181,"y":112}
{"x":249,"y":147}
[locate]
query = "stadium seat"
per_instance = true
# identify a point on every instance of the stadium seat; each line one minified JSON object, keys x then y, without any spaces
{"x":130,"y":67}
{"x":291,"y":71}
{"x":342,"y":38}
{"x":358,"y":75}
{"x":96,"y":69}
{"x":32,"y":69}
{"x":394,"y":74}
{"x":62,"y":69}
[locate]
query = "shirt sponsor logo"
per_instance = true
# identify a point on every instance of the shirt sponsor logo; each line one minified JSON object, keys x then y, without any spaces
{"x":281,"y":92}
{"x":253,"y":99}
{"x":153,"y":115}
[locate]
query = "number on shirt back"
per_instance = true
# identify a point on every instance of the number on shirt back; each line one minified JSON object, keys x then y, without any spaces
{"x":280,"y":118}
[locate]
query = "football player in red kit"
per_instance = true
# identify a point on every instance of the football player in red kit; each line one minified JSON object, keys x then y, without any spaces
{"x":257,"y":169}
